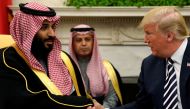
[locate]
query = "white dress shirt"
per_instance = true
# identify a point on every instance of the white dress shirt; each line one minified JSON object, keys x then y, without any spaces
{"x":177,"y":58}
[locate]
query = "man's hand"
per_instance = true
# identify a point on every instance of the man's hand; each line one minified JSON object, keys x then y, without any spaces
{"x":96,"y":105}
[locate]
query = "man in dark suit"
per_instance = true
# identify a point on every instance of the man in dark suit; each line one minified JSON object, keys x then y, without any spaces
{"x":164,"y":81}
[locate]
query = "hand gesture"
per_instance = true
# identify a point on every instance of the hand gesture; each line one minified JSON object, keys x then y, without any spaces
{"x":96,"y":105}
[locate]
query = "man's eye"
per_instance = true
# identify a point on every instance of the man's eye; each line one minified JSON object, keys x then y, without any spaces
{"x":53,"y":27}
{"x":87,"y":39}
{"x":148,"y":33}
{"x":78,"y":40}
{"x":44,"y":27}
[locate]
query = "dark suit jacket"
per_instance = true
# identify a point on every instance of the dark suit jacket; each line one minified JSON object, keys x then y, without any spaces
{"x":151,"y":83}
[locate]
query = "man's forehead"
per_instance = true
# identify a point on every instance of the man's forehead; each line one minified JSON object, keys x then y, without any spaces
{"x":150,"y":25}
{"x":84,"y":35}
{"x":47,"y":22}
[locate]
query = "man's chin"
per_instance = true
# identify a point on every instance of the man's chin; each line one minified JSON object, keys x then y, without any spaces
{"x":154,"y":53}
{"x":157,"y":55}
{"x":49,"y":47}
{"x":85,"y":55}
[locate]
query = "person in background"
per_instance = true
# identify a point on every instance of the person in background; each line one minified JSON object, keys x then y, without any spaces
{"x":34,"y":72}
{"x":164,"y":80}
{"x":102,"y":81}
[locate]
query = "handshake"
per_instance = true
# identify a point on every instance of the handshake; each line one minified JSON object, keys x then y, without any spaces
{"x":96,"y":105}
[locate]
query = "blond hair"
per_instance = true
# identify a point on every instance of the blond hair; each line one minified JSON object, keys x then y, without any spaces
{"x":167,"y":19}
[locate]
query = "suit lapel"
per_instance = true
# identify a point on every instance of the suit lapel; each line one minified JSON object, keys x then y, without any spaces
{"x":185,"y":74}
{"x":157,"y":80}
{"x":162,"y":68}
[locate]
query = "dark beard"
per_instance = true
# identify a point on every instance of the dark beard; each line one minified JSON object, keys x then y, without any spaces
{"x":38,"y":48}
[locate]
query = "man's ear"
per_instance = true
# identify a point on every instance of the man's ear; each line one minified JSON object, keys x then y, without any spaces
{"x":170,"y":36}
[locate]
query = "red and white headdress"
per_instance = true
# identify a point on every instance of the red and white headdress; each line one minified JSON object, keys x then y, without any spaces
{"x":24,"y":26}
{"x":95,"y":70}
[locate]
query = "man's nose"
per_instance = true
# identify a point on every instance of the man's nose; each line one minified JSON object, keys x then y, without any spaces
{"x":51,"y":32}
{"x":145,"y":39}
{"x":83,"y":42}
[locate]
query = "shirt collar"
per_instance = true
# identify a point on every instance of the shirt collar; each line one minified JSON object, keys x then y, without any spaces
{"x":178,"y":54}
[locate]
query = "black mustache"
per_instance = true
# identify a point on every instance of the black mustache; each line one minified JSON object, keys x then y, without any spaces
{"x":50,"y":38}
{"x":84,"y":48}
